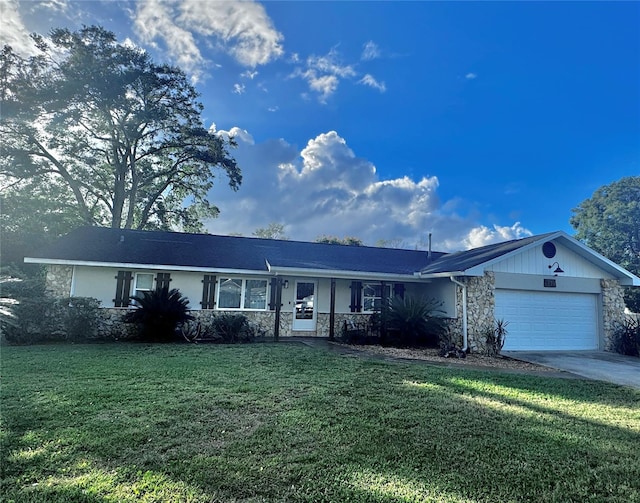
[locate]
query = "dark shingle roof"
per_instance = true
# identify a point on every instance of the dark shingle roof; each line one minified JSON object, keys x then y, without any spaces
{"x":125,"y":246}
{"x":120,"y":246}
{"x":464,"y":260}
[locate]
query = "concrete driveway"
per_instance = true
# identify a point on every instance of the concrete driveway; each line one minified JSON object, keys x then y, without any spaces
{"x":600,"y":365}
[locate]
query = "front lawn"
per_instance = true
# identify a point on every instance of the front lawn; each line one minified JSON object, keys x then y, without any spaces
{"x":284,"y":422}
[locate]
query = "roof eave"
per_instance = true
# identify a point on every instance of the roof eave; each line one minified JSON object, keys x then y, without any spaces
{"x":338,"y":274}
{"x":157,"y":267}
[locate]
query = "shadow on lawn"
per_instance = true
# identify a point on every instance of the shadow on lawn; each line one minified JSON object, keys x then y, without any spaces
{"x":364,"y":431}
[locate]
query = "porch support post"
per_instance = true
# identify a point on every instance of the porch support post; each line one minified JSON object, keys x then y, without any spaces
{"x":278,"y":306}
{"x":332,"y":310}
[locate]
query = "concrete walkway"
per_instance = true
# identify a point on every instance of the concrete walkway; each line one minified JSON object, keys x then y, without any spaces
{"x":599,"y":365}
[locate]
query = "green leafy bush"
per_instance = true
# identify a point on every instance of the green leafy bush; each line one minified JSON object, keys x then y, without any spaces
{"x":413,"y":321}
{"x":626,"y":337}
{"x":227,"y":328}
{"x":47,"y":319}
{"x":159,"y":313}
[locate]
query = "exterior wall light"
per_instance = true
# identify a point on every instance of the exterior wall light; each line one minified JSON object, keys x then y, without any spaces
{"x":557,"y":270}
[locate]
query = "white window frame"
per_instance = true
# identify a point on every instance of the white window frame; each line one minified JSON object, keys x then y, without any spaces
{"x":243,"y":294}
{"x":373,"y":298}
{"x":136,"y":288}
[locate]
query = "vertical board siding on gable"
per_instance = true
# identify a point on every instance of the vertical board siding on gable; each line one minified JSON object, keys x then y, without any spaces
{"x":533,"y":261}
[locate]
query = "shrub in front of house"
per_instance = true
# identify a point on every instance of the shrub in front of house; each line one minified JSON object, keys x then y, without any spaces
{"x":45,"y":319}
{"x":158,"y":314}
{"x":495,"y":336}
{"x":221,"y":328}
{"x":413,"y":321}
{"x":229,"y":328}
{"x":626,"y":337}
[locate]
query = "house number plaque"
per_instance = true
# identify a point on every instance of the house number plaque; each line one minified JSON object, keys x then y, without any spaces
{"x":549,"y":283}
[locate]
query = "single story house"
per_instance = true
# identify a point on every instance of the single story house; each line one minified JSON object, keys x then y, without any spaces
{"x":555,"y":292}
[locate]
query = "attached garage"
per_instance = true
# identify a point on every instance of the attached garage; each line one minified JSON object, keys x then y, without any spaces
{"x":543,"y":321}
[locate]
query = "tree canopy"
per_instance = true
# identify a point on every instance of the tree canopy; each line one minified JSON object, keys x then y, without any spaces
{"x":272,"y":231}
{"x":113,"y":137}
{"x":609,"y":222}
{"x":333,"y":240}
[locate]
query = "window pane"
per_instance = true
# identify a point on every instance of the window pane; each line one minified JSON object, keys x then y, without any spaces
{"x":368,"y":304}
{"x":255,"y":295}
{"x":144,"y":281}
{"x":230,"y":292}
{"x":371,"y":290}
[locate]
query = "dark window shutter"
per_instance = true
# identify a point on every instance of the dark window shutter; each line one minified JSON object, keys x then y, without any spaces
{"x":272,"y":295}
{"x":356,"y":297}
{"x":123,"y":287}
{"x":208,"y":292}
{"x":398,"y":290}
{"x":162,"y":280}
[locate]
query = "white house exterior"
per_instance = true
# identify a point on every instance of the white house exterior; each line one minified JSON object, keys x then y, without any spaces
{"x":555,"y":292}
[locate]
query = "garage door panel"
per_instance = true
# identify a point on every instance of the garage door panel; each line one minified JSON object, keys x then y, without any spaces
{"x":548,"y":320}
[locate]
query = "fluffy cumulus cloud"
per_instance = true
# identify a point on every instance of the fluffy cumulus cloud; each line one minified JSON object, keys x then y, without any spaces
{"x":482,"y":235}
{"x":325,"y":188}
{"x":242,"y":29}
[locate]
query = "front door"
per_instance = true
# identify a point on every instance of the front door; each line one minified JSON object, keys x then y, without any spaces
{"x":304,"y":311}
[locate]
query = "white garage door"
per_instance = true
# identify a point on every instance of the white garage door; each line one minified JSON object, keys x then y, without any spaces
{"x":541,"y":321}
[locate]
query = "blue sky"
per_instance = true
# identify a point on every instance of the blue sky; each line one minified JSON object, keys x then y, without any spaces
{"x":477,"y":122}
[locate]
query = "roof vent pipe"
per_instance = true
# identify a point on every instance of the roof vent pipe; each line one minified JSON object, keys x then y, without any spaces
{"x":429,"y":254}
{"x":122,"y":238}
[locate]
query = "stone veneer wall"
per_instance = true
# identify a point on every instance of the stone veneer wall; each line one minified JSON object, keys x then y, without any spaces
{"x":58,"y":280}
{"x":612,"y":308}
{"x":480,"y":309}
{"x":112,"y":326}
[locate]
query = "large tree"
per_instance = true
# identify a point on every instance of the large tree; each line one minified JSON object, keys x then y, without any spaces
{"x":609,"y":222}
{"x":102,"y":127}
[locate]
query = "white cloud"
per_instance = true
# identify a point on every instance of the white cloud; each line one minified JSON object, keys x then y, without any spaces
{"x":13,"y":31}
{"x":323,"y":73}
{"x":471,"y":76}
{"x":241,"y":28}
{"x":238,"y":88}
{"x":482,"y":235}
{"x":369,"y":80}
{"x":370,"y":51}
{"x":325,"y":188}
{"x":249,"y":74}
{"x":154,"y":19}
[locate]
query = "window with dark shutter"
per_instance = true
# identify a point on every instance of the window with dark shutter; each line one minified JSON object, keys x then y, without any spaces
{"x":123,"y":288}
{"x":356,"y":297}
{"x":208,"y":292}
{"x":162,"y":280}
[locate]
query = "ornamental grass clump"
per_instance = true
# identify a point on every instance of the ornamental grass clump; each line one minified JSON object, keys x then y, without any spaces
{"x":159,"y":313}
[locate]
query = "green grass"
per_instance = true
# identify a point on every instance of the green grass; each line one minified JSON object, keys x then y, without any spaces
{"x":268,"y":422}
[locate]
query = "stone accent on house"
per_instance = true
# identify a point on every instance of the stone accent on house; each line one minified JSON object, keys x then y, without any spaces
{"x":480,"y":309}
{"x":612,"y":309}
{"x":58,"y":280}
{"x":112,"y":325}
